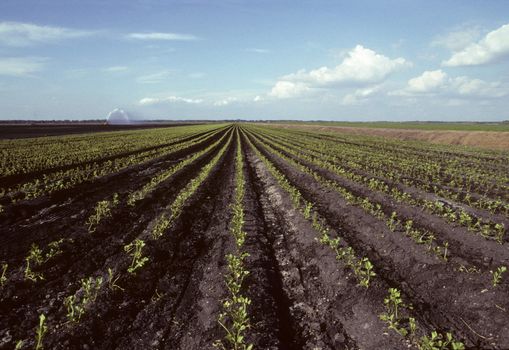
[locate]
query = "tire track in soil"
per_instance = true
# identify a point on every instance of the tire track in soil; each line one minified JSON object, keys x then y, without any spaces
{"x":272,"y":326}
{"x":432,"y":287}
{"x":344,"y":315}
{"x":33,"y":222}
{"x":21,"y":300}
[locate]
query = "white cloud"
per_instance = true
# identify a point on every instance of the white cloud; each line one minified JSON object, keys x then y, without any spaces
{"x":154,"y":78}
{"x":438,"y":83}
{"x":21,"y":66}
{"x":258,"y":98}
{"x":115,"y":69}
{"x":225,"y":102}
{"x":491,"y":48}
{"x":288,"y":89}
{"x":360,"y":95}
{"x":170,"y":99}
{"x":361,"y":66}
{"x":26,"y":34}
{"x":458,"y":39}
{"x":257,"y":50}
{"x":162,"y":36}
{"x":428,"y":81}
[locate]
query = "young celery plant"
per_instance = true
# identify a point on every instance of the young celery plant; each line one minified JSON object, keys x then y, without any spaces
{"x":40,"y":332}
{"x":497,"y":275}
{"x":135,"y":250}
{"x":3,"y":277}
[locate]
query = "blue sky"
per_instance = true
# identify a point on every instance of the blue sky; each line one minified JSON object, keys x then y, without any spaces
{"x":273,"y":59}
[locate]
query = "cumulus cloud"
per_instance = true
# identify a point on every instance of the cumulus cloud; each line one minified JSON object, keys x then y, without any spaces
{"x":438,"y":83}
{"x":154,"y":78}
{"x":225,"y":102}
{"x":491,"y":48}
{"x":360,"y":67}
{"x":26,"y":34}
{"x":21,"y":66}
{"x":288,"y":89}
{"x":147,"y":101}
{"x":457,"y":39}
{"x":360,"y":95}
{"x":162,"y":36}
{"x":428,"y":81}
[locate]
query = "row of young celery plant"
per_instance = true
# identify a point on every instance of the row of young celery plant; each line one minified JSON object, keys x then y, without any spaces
{"x":361,"y":267}
{"x":68,"y":178}
{"x":234,"y":315}
{"x":78,"y":303}
{"x":398,"y":319}
{"x":398,"y":167}
{"x":447,"y":161}
{"x":24,"y":156}
{"x":372,"y":208}
{"x":487,"y":228}
{"x":103,"y":209}
{"x":165,"y":220}
{"x":380,"y":165}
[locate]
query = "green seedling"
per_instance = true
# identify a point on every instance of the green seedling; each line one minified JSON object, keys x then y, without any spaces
{"x":234,"y":320}
{"x":135,"y":250}
{"x":497,"y":275}
{"x":499,"y":233}
{"x":30,"y":274}
{"x":437,"y":341}
{"x":112,"y":280}
{"x":76,"y":304}
{"x":102,"y":210}
{"x":307,"y":210}
{"x":3,"y":277}
{"x":74,"y":308}
{"x":366,"y":272}
{"x":19,"y":344}
{"x":393,"y":222}
{"x":37,"y":257}
{"x":40,"y":332}
{"x":393,"y":303}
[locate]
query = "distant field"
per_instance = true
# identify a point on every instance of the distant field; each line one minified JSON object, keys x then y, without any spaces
{"x":18,"y":131}
{"x":450,"y":134}
{"x":415,"y":125}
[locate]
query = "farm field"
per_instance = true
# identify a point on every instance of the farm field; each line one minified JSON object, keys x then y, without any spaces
{"x":247,"y":236}
{"x":21,"y":130}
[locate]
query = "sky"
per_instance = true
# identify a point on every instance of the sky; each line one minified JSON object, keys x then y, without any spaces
{"x":443,"y":60}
